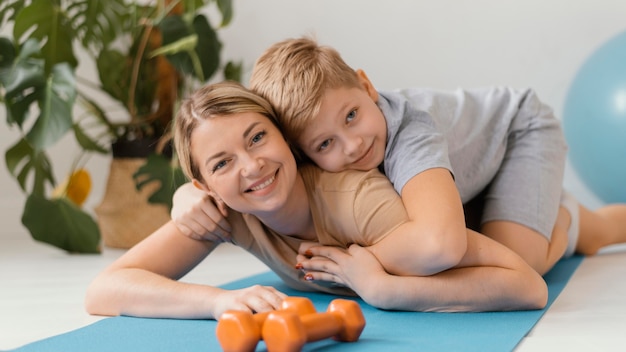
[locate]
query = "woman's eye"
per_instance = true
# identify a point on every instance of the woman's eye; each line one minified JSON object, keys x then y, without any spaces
{"x":324,"y":145}
{"x":351,"y":116}
{"x":257,"y":137}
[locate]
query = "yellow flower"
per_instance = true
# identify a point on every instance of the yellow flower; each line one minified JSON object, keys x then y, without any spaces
{"x":76,"y":187}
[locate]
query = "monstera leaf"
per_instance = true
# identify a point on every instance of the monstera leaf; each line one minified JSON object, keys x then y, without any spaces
{"x":62,"y":224}
{"x":158,"y":168}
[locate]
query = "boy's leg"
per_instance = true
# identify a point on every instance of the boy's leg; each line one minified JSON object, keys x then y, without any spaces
{"x":583,"y":231}
{"x":600,"y":228}
{"x":522,"y":200}
{"x":532,"y":246}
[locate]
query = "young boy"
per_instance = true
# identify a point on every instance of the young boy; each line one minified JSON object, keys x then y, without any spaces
{"x":495,"y":156}
{"x":497,"y":147}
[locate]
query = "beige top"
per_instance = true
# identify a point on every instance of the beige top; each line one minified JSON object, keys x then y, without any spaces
{"x":347,"y":207}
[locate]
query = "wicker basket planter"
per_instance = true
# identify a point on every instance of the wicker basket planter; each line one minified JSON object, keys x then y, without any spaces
{"x":125,"y":216}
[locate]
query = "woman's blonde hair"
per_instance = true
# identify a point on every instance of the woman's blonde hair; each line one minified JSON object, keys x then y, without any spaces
{"x":218,"y":99}
{"x":294,"y":74}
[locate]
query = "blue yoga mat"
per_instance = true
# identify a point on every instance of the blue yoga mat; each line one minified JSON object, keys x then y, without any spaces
{"x":394,"y":331}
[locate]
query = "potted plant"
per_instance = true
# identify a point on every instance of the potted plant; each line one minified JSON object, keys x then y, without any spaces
{"x":147,"y":55}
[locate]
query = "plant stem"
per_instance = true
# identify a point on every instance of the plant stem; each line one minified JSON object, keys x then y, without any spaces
{"x":135,"y":71}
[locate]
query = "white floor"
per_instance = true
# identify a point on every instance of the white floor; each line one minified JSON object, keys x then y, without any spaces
{"x":42,"y":288}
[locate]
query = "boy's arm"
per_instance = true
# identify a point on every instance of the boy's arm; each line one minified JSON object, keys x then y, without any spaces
{"x":198,"y":216}
{"x":434,"y":238}
{"x":490,"y":277}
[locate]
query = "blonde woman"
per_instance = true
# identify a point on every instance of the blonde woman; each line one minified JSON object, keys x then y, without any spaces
{"x":231,"y":148}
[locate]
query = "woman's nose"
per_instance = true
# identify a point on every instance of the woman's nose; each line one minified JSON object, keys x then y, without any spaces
{"x":252,"y":166}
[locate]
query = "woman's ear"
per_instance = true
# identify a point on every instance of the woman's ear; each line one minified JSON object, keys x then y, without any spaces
{"x":221,"y":206}
{"x":199,"y":185}
{"x":367,"y":85}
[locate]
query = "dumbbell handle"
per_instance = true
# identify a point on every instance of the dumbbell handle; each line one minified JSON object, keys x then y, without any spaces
{"x":320,"y":326}
{"x":259,"y":319}
{"x":286,"y":332}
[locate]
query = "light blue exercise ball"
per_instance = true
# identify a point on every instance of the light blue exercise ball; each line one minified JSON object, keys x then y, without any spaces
{"x":595,"y":121}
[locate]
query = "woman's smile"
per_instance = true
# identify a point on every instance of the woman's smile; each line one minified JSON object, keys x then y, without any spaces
{"x":263,"y":184}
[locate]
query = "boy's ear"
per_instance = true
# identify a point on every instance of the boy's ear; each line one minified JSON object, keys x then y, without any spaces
{"x":367,"y":85}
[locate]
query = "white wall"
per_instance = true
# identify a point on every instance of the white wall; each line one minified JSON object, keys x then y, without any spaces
{"x":402,"y":43}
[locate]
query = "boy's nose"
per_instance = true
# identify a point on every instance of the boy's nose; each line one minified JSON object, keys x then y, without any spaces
{"x":353,"y":145}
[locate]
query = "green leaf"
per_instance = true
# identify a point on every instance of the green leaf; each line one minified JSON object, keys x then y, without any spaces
{"x":97,"y":22}
{"x":86,"y":142}
{"x":158,"y":169}
{"x":206,"y":51}
{"x":233,"y":71}
{"x":9,"y":9}
{"x":55,"y":118}
{"x":94,"y":110}
{"x":14,"y":157}
{"x":23,"y":82}
{"x":113,"y":70}
{"x":226,"y":8}
{"x":62,"y":224}
{"x":209,"y":46}
{"x":174,"y":29}
{"x":30,"y":48}
{"x":183,"y":44}
{"x":44,"y":20}
{"x":7,"y":53}
{"x":22,"y":160}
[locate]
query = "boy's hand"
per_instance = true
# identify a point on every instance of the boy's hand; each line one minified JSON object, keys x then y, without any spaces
{"x":199,"y":216}
{"x":355,"y":267}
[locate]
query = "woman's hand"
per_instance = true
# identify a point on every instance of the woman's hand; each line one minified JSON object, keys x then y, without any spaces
{"x":199,"y":216}
{"x":253,"y":299}
{"x":355,"y":267}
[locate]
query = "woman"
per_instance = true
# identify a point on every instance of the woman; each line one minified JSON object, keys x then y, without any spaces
{"x":230,"y":146}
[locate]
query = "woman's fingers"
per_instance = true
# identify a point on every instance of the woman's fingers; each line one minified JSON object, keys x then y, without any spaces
{"x":264,"y":299}
{"x":253,"y":299}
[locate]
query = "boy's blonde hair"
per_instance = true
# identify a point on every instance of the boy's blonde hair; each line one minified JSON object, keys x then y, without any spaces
{"x":219,"y":99}
{"x":294,"y":74}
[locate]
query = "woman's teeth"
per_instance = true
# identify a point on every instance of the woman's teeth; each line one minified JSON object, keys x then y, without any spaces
{"x":264,"y":184}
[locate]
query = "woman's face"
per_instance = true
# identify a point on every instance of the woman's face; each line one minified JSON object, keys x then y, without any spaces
{"x":245,"y":161}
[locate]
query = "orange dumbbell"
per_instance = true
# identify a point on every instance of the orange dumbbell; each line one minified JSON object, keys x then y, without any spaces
{"x":239,"y":331}
{"x":285,"y":331}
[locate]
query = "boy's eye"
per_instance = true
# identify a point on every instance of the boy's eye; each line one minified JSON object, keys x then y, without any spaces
{"x":324,"y":145}
{"x":351,"y":116}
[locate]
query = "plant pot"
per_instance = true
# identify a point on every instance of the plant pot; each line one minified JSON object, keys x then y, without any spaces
{"x":125,"y":217}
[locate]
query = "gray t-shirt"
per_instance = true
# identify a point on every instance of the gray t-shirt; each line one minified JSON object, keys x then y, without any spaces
{"x":464,"y":131}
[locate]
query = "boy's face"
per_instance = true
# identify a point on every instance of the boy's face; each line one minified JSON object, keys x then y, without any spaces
{"x":245,"y":162}
{"x":349,"y":132}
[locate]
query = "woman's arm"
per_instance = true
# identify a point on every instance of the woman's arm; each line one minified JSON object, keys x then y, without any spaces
{"x":490,"y":277}
{"x":143,"y":282}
